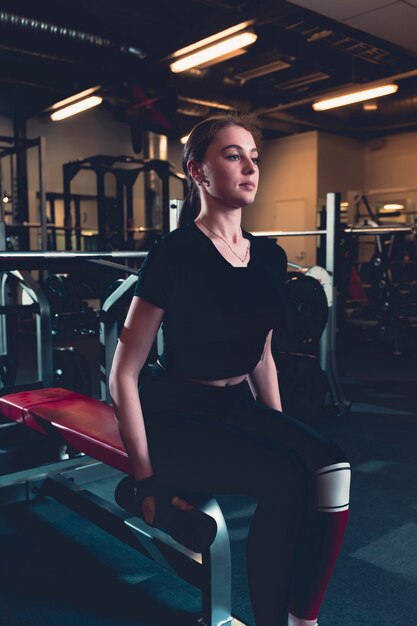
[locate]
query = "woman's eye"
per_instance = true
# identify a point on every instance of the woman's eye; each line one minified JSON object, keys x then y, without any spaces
{"x":256,"y":160}
{"x":233,"y":157}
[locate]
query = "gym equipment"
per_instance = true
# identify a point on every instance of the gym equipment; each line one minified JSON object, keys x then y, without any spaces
{"x":116,"y":217}
{"x":306,"y":310}
{"x":385,"y":304}
{"x":90,"y":427}
{"x":16,"y":149}
{"x":71,"y":370}
{"x":70,"y":312}
{"x":40,"y":306}
{"x":328,"y":338}
{"x":295,"y":343}
{"x":302,"y":386}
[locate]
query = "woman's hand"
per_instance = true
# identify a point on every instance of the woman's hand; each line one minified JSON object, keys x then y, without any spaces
{"x":181,"y":504}
{"x":149,"y":507}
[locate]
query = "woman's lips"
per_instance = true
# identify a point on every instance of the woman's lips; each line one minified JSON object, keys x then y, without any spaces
{"x":248,"y":186}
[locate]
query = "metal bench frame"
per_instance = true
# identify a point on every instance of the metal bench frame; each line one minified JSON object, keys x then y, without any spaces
{"x":67,"y":482}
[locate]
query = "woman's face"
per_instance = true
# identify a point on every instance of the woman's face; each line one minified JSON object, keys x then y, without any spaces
{"x":229,"y":170}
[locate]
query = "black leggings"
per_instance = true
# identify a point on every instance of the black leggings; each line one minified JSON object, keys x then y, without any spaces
{"x":220,"y":440}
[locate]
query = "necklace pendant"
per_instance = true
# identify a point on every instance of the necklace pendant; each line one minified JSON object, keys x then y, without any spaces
{"x":227,"y":244}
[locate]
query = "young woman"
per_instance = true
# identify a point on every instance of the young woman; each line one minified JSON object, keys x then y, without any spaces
{"x":197,"y":425}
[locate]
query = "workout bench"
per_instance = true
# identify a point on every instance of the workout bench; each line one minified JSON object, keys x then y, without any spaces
{"x":89,"y":426}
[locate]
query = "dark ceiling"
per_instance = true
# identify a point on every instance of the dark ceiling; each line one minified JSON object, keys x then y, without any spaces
{"x":123,"y":45}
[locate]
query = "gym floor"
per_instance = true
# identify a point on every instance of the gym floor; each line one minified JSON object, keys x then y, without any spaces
{"x":60,"y":570}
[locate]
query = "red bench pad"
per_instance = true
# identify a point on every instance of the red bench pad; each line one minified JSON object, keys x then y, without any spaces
{"x":15,"y":406}
{"x":87,"y":424}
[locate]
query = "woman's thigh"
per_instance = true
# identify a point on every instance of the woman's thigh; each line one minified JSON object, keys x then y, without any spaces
{"x":199,"y":444}
{"x":211,"y":458}
{"x":284,"y":434}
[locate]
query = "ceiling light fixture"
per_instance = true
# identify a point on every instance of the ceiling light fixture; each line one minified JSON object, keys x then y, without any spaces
{"x":77,"y":107}
{"x":393,"y":207}
{"x":354,"y":96}
{"x":215,"y":52}
{"x":74,"y":98}
{"x":208,"y":40}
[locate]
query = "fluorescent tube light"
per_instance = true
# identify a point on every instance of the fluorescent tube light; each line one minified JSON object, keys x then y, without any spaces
{"x":208,"y":40}
{"x":75,"y":97}
{"x":354,"y":96}
{"x":215,"y":51}
{"x":77,"y":107}
{"x":393,"y":207}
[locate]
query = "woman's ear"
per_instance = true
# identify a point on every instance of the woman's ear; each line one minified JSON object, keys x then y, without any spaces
{"x":193,"y":167}
{"x":196,"y":172}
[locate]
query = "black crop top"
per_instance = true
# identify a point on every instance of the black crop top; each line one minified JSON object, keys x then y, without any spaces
{"x":217,"y":316}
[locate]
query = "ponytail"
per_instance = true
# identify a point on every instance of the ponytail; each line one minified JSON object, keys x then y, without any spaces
{"x":191,"y":206}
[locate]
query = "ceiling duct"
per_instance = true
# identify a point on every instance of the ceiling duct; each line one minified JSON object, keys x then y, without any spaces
{"x":29,"y":24}
{"x":261,"y":70}
{"x":303,"y":81}
{"x":208,"y":103}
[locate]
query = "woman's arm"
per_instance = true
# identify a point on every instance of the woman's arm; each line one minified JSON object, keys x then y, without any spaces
{"x":264,"y":378}
{"x":138,"y":334}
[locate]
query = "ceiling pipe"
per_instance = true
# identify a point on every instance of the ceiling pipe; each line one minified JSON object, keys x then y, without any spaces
{"x":296,"y":103}
{"x":29,"y":24}
{"x":399,"y":115}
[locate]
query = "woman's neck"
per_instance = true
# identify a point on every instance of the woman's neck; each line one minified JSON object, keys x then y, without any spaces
{"x":227,"y":226}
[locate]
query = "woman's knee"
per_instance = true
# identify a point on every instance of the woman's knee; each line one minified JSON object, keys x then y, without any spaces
{"x":332,"y":483}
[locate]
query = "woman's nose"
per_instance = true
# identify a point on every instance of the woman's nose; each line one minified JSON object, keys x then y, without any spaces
{"x":247,"y":166}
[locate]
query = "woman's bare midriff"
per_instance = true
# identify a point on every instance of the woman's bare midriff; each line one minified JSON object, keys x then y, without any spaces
{"x":224,"y":382}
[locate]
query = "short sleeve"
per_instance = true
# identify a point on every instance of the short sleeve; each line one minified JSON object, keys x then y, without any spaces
{"x":282,"y":271}
{"x":280,"y":278}
{"x":155,"y":278}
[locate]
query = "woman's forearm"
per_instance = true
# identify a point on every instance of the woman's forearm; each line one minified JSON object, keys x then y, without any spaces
{"x":264,"y":379}
{"x":128,"y":411}
{"x":138,"y":334}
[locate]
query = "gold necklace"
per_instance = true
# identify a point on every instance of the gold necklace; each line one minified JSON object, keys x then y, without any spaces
{"x":224,"y":240}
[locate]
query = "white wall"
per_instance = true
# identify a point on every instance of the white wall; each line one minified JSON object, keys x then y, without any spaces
{"x":340,"y":165}
{"x":287,"y":196}
{"x":391,"y":161}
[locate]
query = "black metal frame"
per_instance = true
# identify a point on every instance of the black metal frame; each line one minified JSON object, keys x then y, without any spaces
{"x":22,"y":145}
{"x":125,"y":180}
